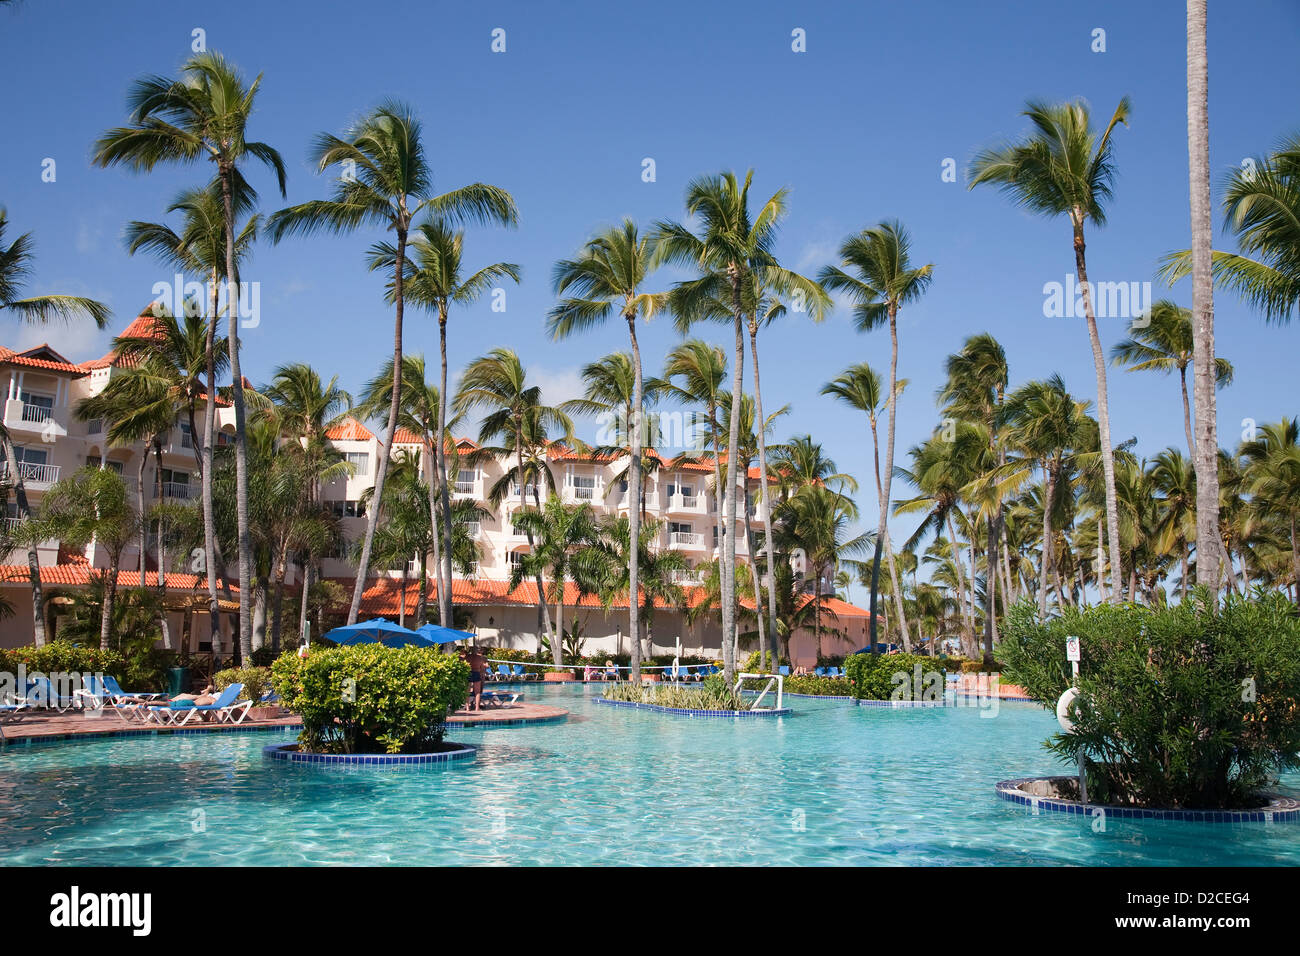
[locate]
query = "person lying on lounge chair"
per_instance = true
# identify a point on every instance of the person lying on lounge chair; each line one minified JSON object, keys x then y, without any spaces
{"x":611,"y":672}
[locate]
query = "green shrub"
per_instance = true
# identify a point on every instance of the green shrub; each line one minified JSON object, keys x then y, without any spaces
{"x":1193,"y":705}
{"x":63,"y":657}
{"x":370,"y":698}
{"x":893,"y":676}
{"x":819,"y":686}
{"x":256,"y":680}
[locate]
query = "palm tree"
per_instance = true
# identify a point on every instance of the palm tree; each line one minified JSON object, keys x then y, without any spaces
{"x":1166,"y":344}
{"x":497,"y":383}
{"x":1273,"y":477}
{"x":204,"y":115}
{"x":1175,"y":478}
{"x":420,"y":413}
{"x":881,"y":281}
{"x":1063,"y":168}
{"x":199,"y":247}
{"x":606,"y":277}
{"x":559,"y":530}
{"x":434,"y":281}
{"x":859,"y":386}
{"x":386,"y":182}
{"x":732,"y":251}
{"x":91,"y":505}
{"x":15,"y":268}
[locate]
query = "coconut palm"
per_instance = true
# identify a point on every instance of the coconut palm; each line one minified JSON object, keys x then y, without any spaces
{"x":435,"y":280}
{"x":607,"y":277}
{"x":497,"y":383}
{"x":385,"y":181}
{"x":198,"y":248}
{"x":732,"y":251}
{"x":701,"y":369}
{"x":89,"y":505}
{"x":1272,"y":461}
{"x":1174,"y":477}
{"x":559,"y":531}
{"x":877,"y":276}
{"x":16,"y":268}
{"x":1063,"y":168}
{"x":204,"y":115}
{"x":1166,"y":344}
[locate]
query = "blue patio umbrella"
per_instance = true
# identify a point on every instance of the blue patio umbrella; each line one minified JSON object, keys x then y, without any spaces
{"x":442,"y":635}
{"x":378,"y":631}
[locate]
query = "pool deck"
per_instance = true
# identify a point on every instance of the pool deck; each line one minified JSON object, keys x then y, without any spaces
{"x":107,"y":724}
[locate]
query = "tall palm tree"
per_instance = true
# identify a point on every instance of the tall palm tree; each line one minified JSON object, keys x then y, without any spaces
{"x":1175,"y":478}
{"x":859,"y":386}
{"x":420,"y":413}
{"x":435,"y":280}
{"x":608,"y":277}
{"x":199,"y":248}
{"x":559,"y":531}
{"x":1166,"y":344}
{"x":386,"y":182}
{"x":732,"y":251}
{"x":497,"y":383}
{"x":16,"y":268}
{"x":204,"y":115}
{"x":1062,"y":168}
{"x":877,"y":275}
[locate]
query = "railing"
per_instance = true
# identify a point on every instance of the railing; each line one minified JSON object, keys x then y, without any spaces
{"x":684,"y":577}
{"x":688,"y":538}
{"x":11,"y":524}
{"x":472,"y":528}
{"x":464,"y":487}
{"x":177,"y":489}
{"x":33,"y":472}
{"x":770,"y":678}
{"x":583,"y":492}
{"x":37,"y":413}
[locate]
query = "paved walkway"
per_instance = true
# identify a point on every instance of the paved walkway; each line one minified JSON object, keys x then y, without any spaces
{"x":76,"y":725}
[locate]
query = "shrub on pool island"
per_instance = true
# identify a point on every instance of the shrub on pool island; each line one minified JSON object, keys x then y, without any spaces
{"x":370,"y":698}
{"x":710,"y":694}
{"x":1192,"y":706}
{"x":893,"y":676}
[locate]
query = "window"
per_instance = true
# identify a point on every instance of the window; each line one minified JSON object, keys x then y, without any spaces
{"x":465,"y":478}
{"x":95,"y":461}
{"x":36,"y":407}
{"x":359,"y":460}
{"x":32,"y":456}
{"x":678,"y":527}
{"x":95,"y":426}
{"x":175,"y":484}
{"x":686,"y":491}
{"x":347,"y":509}
{"x":514,"y":557}
{"x":187,"y":439}
{"x":584,"y":486}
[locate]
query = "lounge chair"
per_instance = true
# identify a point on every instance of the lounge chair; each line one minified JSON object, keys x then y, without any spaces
{"x":499,"y":698}
{"x":225,"y":708}
{"x":118,"y":695}
{"x":42,"y":694}
{"x":784,"y":670}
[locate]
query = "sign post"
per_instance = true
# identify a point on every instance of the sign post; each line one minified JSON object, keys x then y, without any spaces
{"x":1072,"y":655}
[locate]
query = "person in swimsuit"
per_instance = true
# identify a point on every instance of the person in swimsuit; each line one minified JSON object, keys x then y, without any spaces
{"x":477,"y":665}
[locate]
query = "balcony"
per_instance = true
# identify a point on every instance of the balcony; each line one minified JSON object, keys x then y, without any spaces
{"x":37,"y":419}
{"x":177,"y":491}
{"x":465,"y":489}
{"x":685,"y":539}
{"x":580,"y":494}
{"x":473,"y":529}
{"x":684,"y":504}
{"x":34,"y":475}
{"x":11,"y":524}
{"x":685,"y":578}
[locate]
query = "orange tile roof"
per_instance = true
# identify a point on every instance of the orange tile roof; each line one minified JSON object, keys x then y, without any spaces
{"x":29,"y":359}
{"x":349,"y":430}
{"x":75,"y":573}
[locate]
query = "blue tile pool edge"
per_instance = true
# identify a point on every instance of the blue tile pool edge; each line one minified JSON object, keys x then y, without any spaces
{"x":1279,"y":809}
{"x":291,"y":754}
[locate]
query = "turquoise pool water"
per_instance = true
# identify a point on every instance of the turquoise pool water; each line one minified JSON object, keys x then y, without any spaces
{"x":832,"y":784}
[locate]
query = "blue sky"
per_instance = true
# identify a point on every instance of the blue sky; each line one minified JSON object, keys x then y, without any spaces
{"x":857,"y":126}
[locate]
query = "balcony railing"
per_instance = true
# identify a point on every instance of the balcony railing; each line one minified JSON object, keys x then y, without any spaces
{"x":583,"y":492}
{"x":32,"y":472}
{"x":684,"y":577}
{"x":178,"y":490}
{"x":464,"y":487}
{"x":688,"y":539}
{"x":37,"y":413}
{"x":11,"y":524}
{"x":472,"y":528}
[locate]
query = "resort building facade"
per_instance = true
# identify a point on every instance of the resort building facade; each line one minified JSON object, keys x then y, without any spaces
{"x":43,"y":389}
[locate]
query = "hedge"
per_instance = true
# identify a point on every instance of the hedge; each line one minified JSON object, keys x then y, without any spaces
{"x":894,"y":677}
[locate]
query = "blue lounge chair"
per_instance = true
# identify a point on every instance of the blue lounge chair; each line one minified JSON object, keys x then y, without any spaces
{"x":225,"y":707}
{"x":42,"y":694}
{"x":783,"y":670}
{"x":819,"y":672}
{"x":115,"y":691}
{"x":499,"y":698}
{"x":503,"y":672}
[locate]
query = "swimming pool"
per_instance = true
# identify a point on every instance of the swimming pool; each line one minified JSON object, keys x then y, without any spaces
{"x":832,"y":784}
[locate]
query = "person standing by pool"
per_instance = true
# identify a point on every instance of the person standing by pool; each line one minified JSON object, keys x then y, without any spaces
{"x":477,"y":666}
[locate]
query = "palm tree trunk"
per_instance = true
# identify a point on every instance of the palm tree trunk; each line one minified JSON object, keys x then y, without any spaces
{"x":758,"y":592}
{"x":889,"y":474}
{"x":245,"y":545}
{"x":110,"y":599}
{"x":880,"y":538}
{"x":1103,"y":410}
{"x":733,"y":445}
{"x":440,"y":452}
{"x":634,"y":512}
{"x":386,"y":446}
{"x":962,"y":607}
{"x":277,"y":604}
{"x":436,"y":524}
{"x":33,"y":558}
{"x":1187,"y":414}
{"x":162,"y":551}
{"x":139,"y":497}
{"x":1101,"y":561}
{"x":1207,"y":444}
{"x":205,"y":473}
{"x":1010,"y":590}
{"x":719,"y":501}
{"x":401,"y":600}
{"x":307,"y":569}
{"x":422,"y":594}
{"x":770,"y":545}
{"x":1045,"y":560}
{"x":990,"y":591}
{"x":543,"y":616}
